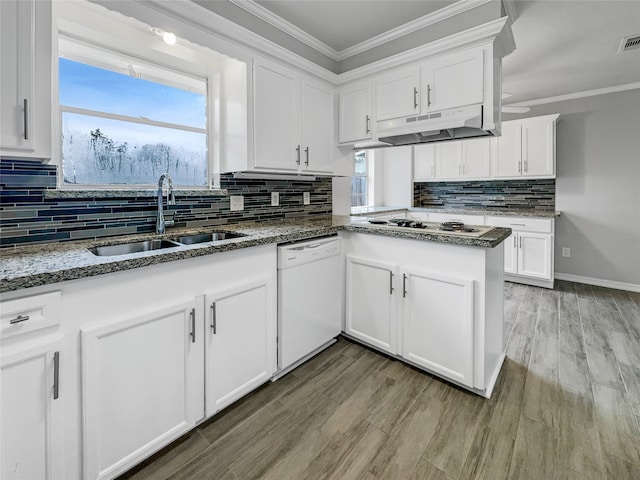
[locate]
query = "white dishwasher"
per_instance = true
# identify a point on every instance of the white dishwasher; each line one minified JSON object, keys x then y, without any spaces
{"x":310,"y":291}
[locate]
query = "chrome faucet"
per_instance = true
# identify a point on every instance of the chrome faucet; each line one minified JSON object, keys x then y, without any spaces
{"x":161,"y":223}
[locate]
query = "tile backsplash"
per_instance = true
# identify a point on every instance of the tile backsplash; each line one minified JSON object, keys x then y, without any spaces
{"x":504,"y":195}
{"x":27,"y":216}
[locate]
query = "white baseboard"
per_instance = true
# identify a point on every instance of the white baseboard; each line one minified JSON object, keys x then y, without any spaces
{"x":630,"y":287}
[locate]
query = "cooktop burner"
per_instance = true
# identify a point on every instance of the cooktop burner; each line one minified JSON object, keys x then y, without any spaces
{"x":453,"y":228}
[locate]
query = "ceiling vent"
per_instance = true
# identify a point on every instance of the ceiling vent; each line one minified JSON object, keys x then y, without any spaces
{"x":629,"y":43}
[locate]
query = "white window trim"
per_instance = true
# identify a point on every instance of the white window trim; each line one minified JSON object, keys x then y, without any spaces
{"x":93,"y":24}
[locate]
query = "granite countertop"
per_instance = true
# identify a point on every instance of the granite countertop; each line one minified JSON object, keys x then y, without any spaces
{"x":459,"y":211}
{"x":45,"y":264}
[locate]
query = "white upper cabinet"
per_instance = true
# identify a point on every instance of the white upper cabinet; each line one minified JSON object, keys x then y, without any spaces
{"x":355,"y":113}
{"x":317,"y":127}
{"x":424,"y":162}
{"x":25,"y":79}
{"x":449,"y":160}
{"x":293,"y":121}
{"x":397,"y":94}
{"x":507,"y":162}
{"x":538,"y":148}
{"x":527,"y":148}
{"x":454,"y":80}
{"x":476,"y":158}
{"x":276,"y":113}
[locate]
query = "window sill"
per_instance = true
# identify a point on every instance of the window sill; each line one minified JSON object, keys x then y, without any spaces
{"x":146,"y":193}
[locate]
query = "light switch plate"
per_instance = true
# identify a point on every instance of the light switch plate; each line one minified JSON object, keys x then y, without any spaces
{"x":275,"y":199}
{"x":237,"y":203}
{"x":566,"y":252}
{"x":306,"y":198}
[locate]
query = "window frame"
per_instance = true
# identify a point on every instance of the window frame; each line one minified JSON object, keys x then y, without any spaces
{"x":92,"y":25}
{"x":369,"y":176}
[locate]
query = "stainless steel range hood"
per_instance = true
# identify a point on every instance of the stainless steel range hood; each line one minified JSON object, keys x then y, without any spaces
{"x":454,"y":124}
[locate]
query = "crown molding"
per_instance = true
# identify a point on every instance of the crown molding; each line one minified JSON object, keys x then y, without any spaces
{"x":573,"y":96}
{"x":410,"y":27}
{"x":466,"y":38}
{"x":283,"y":25}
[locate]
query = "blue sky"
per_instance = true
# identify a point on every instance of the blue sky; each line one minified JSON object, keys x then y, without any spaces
{"x":85,"y":86}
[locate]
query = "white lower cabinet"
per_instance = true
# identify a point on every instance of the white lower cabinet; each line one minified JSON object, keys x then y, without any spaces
{"x":32,"y":400}
{"x":371,"y":306}
{"x":528,"y":252}
{"x":437,"y":306}
{"x":141,"y":381}
{"x":32,"y":428}
{"x":437,"y":323}
{"x":238,"y":342}
{"x":141,"y":358}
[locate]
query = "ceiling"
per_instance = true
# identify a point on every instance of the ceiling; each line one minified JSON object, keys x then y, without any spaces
{"x":562,"y":46}
{"x":341,"y":24}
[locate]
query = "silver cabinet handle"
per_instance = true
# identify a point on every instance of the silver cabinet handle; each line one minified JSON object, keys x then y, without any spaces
{"x":518,"y":224}
{"x":428,"y":95}
{"x":520,"y":242}
{"x":514,"y":241}
{"x":193,"y":325}
{"x":298,"y":154}
{"x":213,"y":317}
{"x":415,"y":97}
{"x":390,"y":283}
{"x":519,"y":167}
{"x":459,"y":169}
{"x":404,"y":285}
{"x":56,"y":375}
{"x":306,"y":151}
{"x":18,"y":319}
{"x":526,"y":166}
{"x":368,"y":124}
{"x":26,"y":118}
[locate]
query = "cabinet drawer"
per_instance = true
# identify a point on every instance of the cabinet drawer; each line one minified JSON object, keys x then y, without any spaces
{"x":28,"y":314}
{"x":522,"y":224}
{"x":452,"y":217}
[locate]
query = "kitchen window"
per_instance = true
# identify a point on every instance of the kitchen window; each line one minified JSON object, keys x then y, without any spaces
{"x":125,"y":121}
{"x":362,"y":179}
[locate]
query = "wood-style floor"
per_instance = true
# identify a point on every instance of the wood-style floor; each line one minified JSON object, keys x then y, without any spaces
{"x":566,"y":406}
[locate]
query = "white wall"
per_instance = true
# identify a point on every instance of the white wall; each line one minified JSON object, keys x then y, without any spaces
{"x":598,"y":185}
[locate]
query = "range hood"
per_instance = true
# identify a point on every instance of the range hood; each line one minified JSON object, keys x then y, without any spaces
{"x":454,"y":124}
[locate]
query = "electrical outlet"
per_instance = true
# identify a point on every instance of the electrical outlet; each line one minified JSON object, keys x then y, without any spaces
{"x":237,"y":203}
{"x":306,"y":198}
{"x":566,"y":252}
{"x":275,"y":199}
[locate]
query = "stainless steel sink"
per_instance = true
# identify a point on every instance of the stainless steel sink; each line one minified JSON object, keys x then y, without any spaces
{"x":207,"y":237}
{"x":135,"y":247}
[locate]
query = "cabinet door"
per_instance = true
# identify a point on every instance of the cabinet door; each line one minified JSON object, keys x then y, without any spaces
{"x":142,"y":385}
{"x":397,"y":94}
{"x":453,"y":81}
{"x":355,"y":115}
{"x":437,"y":324}
{"x":476,"y":158}
{"x":449,"y":160}
{"x":511,"y":254}
{"x":32,"y":423}
{"x":371,"y":307}
{"x":317,"y":127}
{"x":276,"y":116}
{"x":538,"y":149}
{"x":424,"y":162}
{"x":240,"y":341}
{"x":507,"y":161}
{"x":534,"y":255}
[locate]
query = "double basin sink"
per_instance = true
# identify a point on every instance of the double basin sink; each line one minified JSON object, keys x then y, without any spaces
{"x":149,"y":245}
